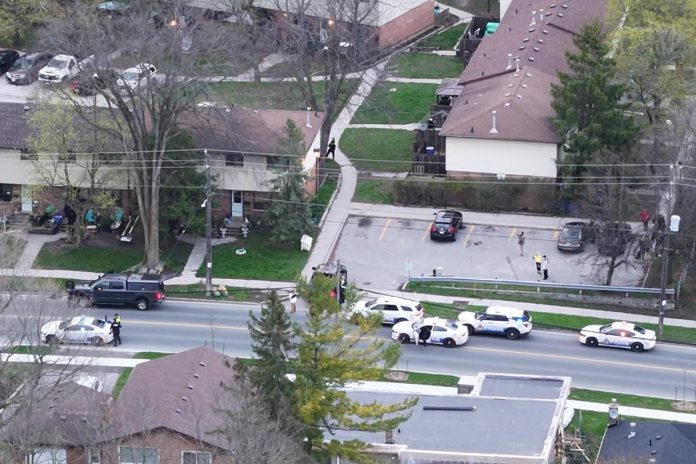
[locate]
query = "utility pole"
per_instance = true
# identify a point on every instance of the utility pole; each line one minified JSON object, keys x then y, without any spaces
{"x":208,"y":228}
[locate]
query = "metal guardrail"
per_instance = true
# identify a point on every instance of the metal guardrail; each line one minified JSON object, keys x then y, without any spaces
{"x":524,"y":283}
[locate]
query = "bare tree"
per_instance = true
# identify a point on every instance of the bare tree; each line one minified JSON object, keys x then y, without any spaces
{"x":164,"y":47}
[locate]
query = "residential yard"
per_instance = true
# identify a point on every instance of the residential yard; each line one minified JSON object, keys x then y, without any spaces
{"x":378,"y":149}
{"x":425,"y":66}
{"x":378,"y":191}
{"x":11,"y":249}
{"x":198,"y":292}
{"x":105,"y":253}
{"x":396,"y":103}
{"x":445,"y":40}
{"x":262,"y":261}
{"x":321,"y":200}
{"x":268,"y":95}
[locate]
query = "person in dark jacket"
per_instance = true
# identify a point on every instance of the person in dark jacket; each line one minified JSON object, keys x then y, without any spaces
{"x":116,"y":329}
{"x":332,"y":149}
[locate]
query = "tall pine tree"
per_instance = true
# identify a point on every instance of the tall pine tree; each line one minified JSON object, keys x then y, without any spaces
{"x":589,"y":115}
{"x":272,"y":344}
{"x":289,"y":213}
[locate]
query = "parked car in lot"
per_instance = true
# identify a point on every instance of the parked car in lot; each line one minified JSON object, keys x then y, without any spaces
{"x":618,"y":335}
{"x":7,"y":59}
{"x":61,"y":68}
{"x":137,"y":77}
{"x":502,"y":320}
{"x":574,"y":236}
{"x":433,"y":330}
{"x":392,"y":309}
{"x":613,"y":238}
{"x":26,"y":69}
{"x":79,"y":329}
{"x":446,"y":224}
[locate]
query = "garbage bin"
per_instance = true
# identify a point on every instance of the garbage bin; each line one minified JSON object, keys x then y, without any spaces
{"x":306,"y":243}
{"x":429,"y":150}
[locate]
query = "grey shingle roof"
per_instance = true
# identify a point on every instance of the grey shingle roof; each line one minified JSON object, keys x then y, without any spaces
{"x":640,"y":443}
{"x":13,"y":126}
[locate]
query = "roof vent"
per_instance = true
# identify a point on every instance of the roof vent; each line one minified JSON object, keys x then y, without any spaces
{"x":190,"y":387}
{"x":521,"y":47}
{"x":507,"y":105}
{"x":178,"y":411}
{"x":196,"y":376}
{"x":632,"y":424}
{"x":536,"y":49}
{"x":524,"y":86}
{"x":183,"y":398}
{"x":531,"y":58}
{"x":528,"y":74}
{"x":564,"y":6}
{"x":202,"y":364}
{"x":510,"y":85}
{"x":560,"y":15}
{"x":508,"y":94}
{"x":659,"y":437}
{"x":27,"y":107}
{"x":553,"y":5}
{"x":509,"y":64}
{"x":545,"y":32}
{"x":63,"y":417}
{"x":519,"y":96}
{"x":531,"y":29}
{"x":493,"y":130}
{"x":548,"y":13}
{"x":525,"y":40}
{"x":516,"y":75}
{"x":541,"y":41}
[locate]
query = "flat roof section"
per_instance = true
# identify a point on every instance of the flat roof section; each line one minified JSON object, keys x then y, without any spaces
{"x":496,"y":426}
{"x":519,"y":387}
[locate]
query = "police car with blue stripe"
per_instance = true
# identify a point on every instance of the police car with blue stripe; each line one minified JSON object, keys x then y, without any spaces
{"x":618,"y":335}
{"x":510,"y":322}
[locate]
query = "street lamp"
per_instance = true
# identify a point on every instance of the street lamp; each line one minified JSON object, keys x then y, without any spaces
{"x":673,"y":228}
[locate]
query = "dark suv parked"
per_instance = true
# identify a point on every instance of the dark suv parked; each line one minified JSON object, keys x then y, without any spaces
{"x":26,"y":69}
{"x":446,"y":225}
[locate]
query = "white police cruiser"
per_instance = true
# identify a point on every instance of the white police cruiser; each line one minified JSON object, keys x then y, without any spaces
{"x":503,"y":320}
{"x":431,"y":330}
{"x":392,"y":309}
{"x":618,"y":335}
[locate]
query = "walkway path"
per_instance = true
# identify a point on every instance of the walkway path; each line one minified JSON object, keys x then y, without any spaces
{"x":267,"y":63}
{"x":393,"y":387}
{"x":34,"y":243}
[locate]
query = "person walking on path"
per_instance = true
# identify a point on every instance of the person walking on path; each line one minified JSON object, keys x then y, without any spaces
{"x":545,"y":267}
{"x":520,"y":241}
{"x":332,"y":149}
{"x":116,"y":329}
{"x":537,"y":260}
{"x":293,"y":302}
{"x":645,"y":219}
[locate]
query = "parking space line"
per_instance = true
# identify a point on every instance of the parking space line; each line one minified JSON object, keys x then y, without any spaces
{"x":512,"y":234}
{"x":384,"y":230}
{"x":427,"y":230}
{"x":471,"y":229}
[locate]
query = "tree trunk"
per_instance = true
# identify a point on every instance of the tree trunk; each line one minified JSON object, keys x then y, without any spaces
{"x":610,"y":271}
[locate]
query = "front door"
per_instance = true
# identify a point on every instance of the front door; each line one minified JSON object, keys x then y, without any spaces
{"x":27,"y":204}
{"x":237,"y":205}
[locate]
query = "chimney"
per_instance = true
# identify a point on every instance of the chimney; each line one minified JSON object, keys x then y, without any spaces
{"x":493,"y":129}
{"x":509,"y":65}
{"x":308,"y":123}
{"x":533,"y":23}
{"x":389,"y":437}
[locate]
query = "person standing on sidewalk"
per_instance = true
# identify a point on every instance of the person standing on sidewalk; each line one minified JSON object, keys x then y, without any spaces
{"x":520,"y":241}
{"x":545,"y":267}
{"x":293,"y":302}
{"x":332,"y":149}
{"x":537,"y":261}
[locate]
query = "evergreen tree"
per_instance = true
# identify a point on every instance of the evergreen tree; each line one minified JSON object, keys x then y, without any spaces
{"x":586,"y":101}
{"x":330,"y":353}
{"x":289,"y":213}
{"x":272,"y":343}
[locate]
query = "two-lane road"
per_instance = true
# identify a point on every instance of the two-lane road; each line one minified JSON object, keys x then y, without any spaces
{"x":180,"y":325}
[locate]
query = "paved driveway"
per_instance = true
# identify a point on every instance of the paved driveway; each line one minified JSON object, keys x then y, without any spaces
{"x":380,"y":253}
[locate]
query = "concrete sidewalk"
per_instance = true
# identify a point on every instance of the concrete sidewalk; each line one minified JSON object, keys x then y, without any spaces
{"x":392,"y":387}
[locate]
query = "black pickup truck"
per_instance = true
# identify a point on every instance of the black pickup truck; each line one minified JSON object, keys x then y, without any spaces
{"x":142,"y":291}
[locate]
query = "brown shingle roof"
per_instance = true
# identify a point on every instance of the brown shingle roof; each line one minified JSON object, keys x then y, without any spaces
{"x":178,"y":392}
{"x":491,"y":79}
{"x":13,"y":126}
{"x":247,"y":130}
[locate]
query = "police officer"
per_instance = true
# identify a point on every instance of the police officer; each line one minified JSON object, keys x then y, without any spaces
{"x":116,"y":329}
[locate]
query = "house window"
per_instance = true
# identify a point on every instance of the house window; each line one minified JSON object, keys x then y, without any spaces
{"x":5,"y":192}
{"x":131,"y":455}
{"x":234,"y":159}
{"x":93,"y":456}
{"x":47,"y":456}
{"x":196,"y":457}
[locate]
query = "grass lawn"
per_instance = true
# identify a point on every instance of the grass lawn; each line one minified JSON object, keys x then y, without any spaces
{"x":378,"y":191}
{"x":197,"y":291}
{"x":323,"y":197}
{"x":408,"y":103}
{"x":121,"y":382}
{"x":624,"y":400}
{"x":445,"y":40}
{"x":270,"y":95}
{"x":422,"y":378}
{"x":150,"y":355}
{"x":262,"y":261}
{"x":425,"y":65}
{"x":105,"y":253}
{"x":378,"y":149}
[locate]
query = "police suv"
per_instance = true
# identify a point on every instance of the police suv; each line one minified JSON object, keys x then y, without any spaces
{"x":431,"y":330}
{"x":511,"y":322}
{"x":392,"y":309}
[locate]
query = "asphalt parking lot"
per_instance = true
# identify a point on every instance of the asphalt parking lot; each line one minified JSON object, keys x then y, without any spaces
{"x":381,"y":253}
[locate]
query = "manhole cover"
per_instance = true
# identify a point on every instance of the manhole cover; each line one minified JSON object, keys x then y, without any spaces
{"x":364,"y":221}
